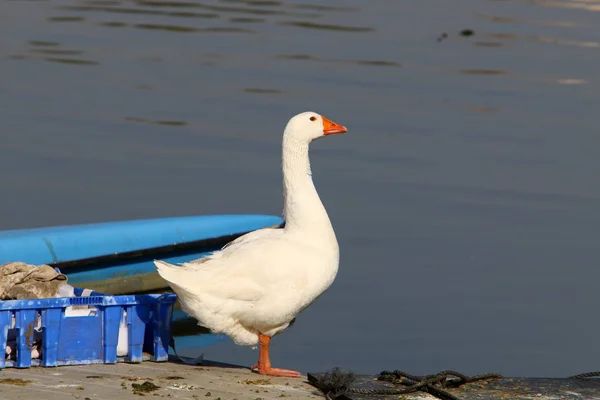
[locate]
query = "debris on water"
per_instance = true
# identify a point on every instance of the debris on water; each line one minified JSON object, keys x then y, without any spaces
{"x":464,"y":33}
{"x":208,"y":394}
{"x":94,"y":377}
{"x":123,"y":385}
{"x":146,"y":387}
{"x":15,"y":381}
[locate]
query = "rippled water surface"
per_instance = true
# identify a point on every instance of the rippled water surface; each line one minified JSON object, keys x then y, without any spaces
{"x":465,"y":196}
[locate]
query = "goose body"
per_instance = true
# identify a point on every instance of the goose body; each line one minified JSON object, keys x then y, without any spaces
{"x":257,"y":284}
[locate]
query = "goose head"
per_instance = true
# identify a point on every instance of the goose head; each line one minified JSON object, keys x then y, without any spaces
{"x":309,"y":126}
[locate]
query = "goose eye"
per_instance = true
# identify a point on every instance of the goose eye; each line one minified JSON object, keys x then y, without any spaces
{"x":313,"y":118}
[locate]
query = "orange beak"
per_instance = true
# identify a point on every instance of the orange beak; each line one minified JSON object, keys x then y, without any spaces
{"x":330,"y":127}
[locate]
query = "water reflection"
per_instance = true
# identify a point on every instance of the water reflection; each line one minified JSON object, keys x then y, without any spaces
{"x":247,"y":20}
{"x":59,"y":52}
{"x":296,"y":57}
{"x":483,"y":109}
{"x":43,"y":43}
{"x":248,"y":12}
{"x":261,"y":90}
{"x":113,"y":24}
{"x":329,"y":27}
{"x":152,"y":59}
{"x":145,"y":87}
{"x":469,"y":107}
{"x":225,"y":29}
{"x":378,"y":63}
{"x":156,"y":122}
{"x":482,"y":71}
{"x":71,"y":61}
{"x":571,"y":81}
{"x":317,"y":7}
{"x":102,"y":2}
{"x":494,"y":18}
{"x":546,"y":39}
{"x":514,"y":20}
{"x":48,"y":48}
{"x":259,"y":3}
{"x":171,"y":123}
{"x":491,"y":44}
{"x":66,"y":19}
{"x":563,"y":24}
{"x":225,"y":9}
{"x":123,"y":10}
{"x":308,"y":57}
{"x":174,"y":4}
{"x":499,"y":38}
{"x":170,"y":28}
{"x":250,"y":16}
{"x":312,"y":7}
{"x":589,"y":5}
{"x":510,"y":36}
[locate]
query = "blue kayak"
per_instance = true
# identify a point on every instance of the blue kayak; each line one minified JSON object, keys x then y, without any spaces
{"x":116,"y":257}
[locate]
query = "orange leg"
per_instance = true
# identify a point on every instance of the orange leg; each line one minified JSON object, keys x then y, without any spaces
{"x":264,"y":363}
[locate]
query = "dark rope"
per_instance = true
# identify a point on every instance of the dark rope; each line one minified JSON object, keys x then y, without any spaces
{"x":586,"y":375}
{"x":337,"y":383}
{"x":426,"y":383}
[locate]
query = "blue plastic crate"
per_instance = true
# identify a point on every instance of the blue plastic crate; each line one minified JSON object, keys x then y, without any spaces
{"x":85,"y":330}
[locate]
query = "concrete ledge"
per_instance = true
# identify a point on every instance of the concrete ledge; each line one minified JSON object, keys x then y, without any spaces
{"x":210,"y":381}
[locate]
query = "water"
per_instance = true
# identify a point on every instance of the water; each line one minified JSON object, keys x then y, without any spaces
{"x":464,"y":197}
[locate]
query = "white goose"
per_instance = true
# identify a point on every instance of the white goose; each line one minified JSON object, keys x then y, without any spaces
{"x":256,"y":285}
